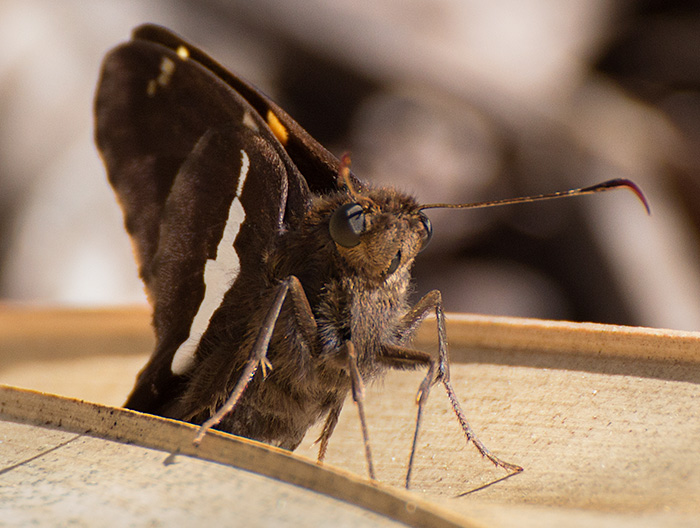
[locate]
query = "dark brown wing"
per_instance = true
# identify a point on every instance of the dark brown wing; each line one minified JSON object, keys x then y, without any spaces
{"x":192,"y":163}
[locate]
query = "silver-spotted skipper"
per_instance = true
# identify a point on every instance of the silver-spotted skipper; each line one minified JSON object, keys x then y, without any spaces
{"x":279,"y":281}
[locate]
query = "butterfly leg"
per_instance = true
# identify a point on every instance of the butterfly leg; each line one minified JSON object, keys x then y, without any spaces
{"x":258,"y":354}
{"x":328,"y":428}
{"x":399,"y":357}
{"x":358,"y":395}
{"x":433,"y":300}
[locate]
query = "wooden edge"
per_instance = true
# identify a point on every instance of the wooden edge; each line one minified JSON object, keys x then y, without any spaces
{"x":172,"y":436}
{"x":36,"y":324}
{"x":540,"y":335}
{"x":29,"y":321}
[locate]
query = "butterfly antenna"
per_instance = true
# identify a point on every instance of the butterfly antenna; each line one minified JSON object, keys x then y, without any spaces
{"x":619,"y":183}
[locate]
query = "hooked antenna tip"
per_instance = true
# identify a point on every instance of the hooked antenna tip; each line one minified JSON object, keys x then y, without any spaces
{"x":621,"y":182}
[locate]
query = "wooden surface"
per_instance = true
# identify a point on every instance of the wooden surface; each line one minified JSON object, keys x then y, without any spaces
{"x":47,"y":472}
{"x":604,"y":419}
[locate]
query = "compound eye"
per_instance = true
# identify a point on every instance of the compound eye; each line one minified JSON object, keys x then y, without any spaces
{"x":347,"y":224}
{"x":428,"y":229}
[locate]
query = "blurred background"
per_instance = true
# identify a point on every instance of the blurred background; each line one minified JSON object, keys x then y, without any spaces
{"x":452,"y":100}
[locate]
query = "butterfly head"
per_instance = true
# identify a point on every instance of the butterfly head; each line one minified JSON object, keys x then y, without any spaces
{"x":377,"y":231}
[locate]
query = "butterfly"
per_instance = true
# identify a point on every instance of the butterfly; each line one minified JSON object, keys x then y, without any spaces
{"x":279,"y":281}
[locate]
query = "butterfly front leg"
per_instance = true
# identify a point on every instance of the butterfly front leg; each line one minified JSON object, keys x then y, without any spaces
{"x":257,"y":359}
{"x":401,"y":357}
